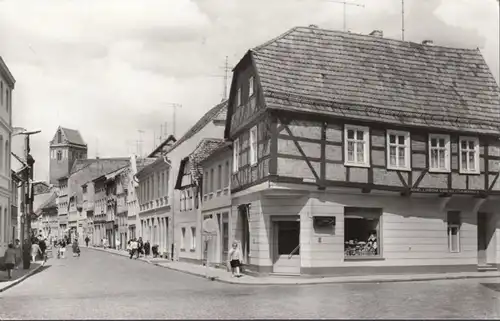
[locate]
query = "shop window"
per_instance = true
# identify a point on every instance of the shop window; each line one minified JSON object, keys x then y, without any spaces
{"x":453,"y":219}
{"x":362,"y":232}
{"x":183,"y":238}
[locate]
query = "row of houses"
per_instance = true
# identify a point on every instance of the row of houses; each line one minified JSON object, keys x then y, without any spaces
{"x":336,"y":153}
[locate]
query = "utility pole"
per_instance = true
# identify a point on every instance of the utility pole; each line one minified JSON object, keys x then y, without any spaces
{"x":226,"y":71}
{"x":346,"y":3}
{"x":28,"y":196}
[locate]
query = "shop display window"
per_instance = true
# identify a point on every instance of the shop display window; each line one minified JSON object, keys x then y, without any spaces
{"x":362,"y":232}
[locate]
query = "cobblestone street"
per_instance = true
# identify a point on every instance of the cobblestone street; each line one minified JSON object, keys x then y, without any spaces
{"x":100,"y":285}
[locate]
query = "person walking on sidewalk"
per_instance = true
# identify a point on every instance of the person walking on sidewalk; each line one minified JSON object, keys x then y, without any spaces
{"x":147,"y":248}
{"x":235,"y":259}
{"x":62,"y":248}
{"x":19,"y":254}
{"x":87,"y":240}
{"x":140,"y":247}
{"x":133,"y":247}
{"x":10,"y":259}
{"x":35,"y":250}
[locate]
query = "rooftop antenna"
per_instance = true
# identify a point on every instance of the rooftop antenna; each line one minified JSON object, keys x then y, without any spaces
{"x":346,"y":3}
{"x":96,"y":147}
{"x":403,"y":20}
{"x":139,"y":143}
{"x":165,"y":129}
{"x":226,"y":71}
{"x":175,"y":106}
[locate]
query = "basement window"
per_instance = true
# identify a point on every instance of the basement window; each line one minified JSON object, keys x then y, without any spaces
{"x":362,"y":232}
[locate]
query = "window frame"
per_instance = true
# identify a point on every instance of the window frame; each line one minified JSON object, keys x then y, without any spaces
{"x":192,"y":246}
{"x":251,"y":86}
{"x":459,"y":248}
{"x":407,"y":149}
{"x":253,"y":149}
{"x":371,"y":213}
{"x":219,"y":177}
{"x":366,"y":149}
{"x":236,"y":155}
{"x":183,"y":239}
{"x":476,"y":154}
{"x":238,"y":97}
{"x":447,"y":148}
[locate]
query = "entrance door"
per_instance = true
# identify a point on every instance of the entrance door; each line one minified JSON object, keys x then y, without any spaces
{"x":482,"y":243}
{"x":225,"y":237}
{"x":286,"y":247}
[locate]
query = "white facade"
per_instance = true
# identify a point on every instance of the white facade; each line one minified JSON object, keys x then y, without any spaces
{"x":6,"y":87}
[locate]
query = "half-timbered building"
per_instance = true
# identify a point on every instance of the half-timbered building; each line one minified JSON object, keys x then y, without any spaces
{"x":357,"y":154}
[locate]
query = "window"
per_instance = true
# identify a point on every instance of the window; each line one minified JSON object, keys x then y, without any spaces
{"x":398,"y":150}
{"x":356,"y":146}
{"x":238,"y":98}
{"x":205,"y":183}
{"x":453,"y":219}
{"x":59,"y":155}
{"x":182,"y":208}
{"x":439,"y":153}
{"x":469,"y":155}
{"x":253,"y":146}
{"x":227,"y":176}
{"x":7,"y":157}
{"x":236,"y":155}
{"x":219,"y":177}
{"x":183,"y":238}
{"x":193,"y":238}
{"x":7,"y":99}
{"x":250,"y":87}
{"x":1,"y":92}
{"x":212,"y":183}
{"x":362,"y":232}
{"x":189,"y":199}
{"x":162,"y":191}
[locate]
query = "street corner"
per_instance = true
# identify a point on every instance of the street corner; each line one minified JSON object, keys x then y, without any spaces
{"x":21,"y":274}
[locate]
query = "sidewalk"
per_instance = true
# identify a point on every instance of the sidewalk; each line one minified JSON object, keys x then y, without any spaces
{"x":222,"y":276}
{"x":18,"y":276}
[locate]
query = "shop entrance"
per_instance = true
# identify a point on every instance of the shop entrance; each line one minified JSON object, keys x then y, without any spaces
{"x":286,"y":245}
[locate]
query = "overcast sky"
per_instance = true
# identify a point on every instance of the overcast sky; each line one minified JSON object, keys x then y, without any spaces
{"x":110,"y":67}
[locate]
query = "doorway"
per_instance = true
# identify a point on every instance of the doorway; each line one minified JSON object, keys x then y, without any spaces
{"x":484,"y":235}
{"x":245,"y":231}
{"x":286,"y":245}
{"x":225,"y":237}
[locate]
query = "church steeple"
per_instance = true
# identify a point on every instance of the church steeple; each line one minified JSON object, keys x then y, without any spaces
{"x":65,"y":147}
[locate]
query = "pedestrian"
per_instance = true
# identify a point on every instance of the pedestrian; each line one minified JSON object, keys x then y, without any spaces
{"x":62,"y":248}
{"x":235,"y":259}
{"x":19,"y":254}
{"x":43,"y":246}
{"x":87,"y":240}
{"x":129,"y":247}
{"x":140,"y":247}
{"x":76,"y":248}
{"x":147,"y":248}
{"x":35,"y":250}
{"x":10,"y":259}
{"x":117,"y":244}
{"x":133,"y":247}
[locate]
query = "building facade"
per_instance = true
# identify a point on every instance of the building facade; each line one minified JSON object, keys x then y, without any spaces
{"x":14,"y":207}
{"x":201,"y":186}
{"x":210,"y":125}
{"x":154,"y":204}
{"x":344,"y":171}
{"x":100,"y":209}
{"x":7,"y":82}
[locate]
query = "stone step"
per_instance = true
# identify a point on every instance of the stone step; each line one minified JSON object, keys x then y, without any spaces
{"x":485,"y":268}
{"x":285,"y":275}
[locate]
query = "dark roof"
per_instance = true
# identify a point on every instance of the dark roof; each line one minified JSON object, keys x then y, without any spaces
{"x":169,"y":139}
{"x":211,"y":115}
{"x":73,"y":136}
{"x":204,"y":149}
{"x":368,"y":77}
{"x":142,"y":163}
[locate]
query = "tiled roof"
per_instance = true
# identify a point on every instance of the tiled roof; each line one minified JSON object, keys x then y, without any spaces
{"x":73,"y":136}
{"x":368,"y":77}
{"x":141,"y":163}
{"x":202,"y":122}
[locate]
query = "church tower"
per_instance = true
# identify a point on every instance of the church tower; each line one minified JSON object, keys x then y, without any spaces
{"x":66,"y":147}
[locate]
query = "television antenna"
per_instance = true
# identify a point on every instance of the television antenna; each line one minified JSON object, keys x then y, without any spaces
{"x":174,"y":106}
{"x":346,"y":3}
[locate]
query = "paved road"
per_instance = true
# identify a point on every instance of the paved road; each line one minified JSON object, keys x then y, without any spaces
{"x":101,"y":285}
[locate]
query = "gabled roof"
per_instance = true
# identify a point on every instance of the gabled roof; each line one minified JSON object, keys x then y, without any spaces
{"x":366,"y":77}
{"x":217,"y":111}
{"x":70,"y":136}
{"x":201,"y":152}
{"x":170,"y":139}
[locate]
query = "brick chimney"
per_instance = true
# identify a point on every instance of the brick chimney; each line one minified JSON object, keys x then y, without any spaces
{"x":377,"y":33}
{"x":313,"y":26}
{"x":428,"y":42}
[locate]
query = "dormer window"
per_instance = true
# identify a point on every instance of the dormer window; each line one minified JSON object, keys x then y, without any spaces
{"x":439,"y":153}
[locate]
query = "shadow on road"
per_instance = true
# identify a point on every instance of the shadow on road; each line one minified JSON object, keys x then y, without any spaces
{"x":492,"y":286}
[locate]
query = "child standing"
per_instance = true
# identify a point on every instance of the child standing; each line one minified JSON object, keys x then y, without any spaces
{"x":235,"y":260}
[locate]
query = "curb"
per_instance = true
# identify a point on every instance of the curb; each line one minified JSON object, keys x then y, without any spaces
{"x":21,"y":279}
{"x":372,"y":281}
